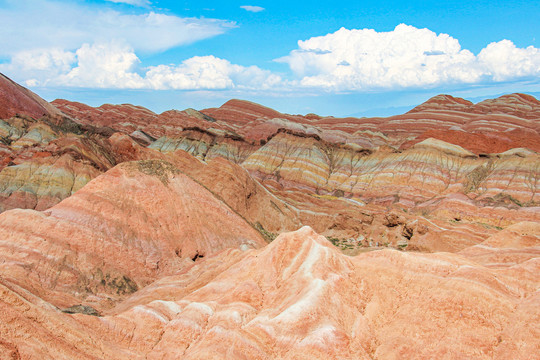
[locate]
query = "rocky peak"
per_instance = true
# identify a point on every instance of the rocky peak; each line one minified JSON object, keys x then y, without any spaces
{"x":521,"y":105}
{"x":15,"y":99}
{"x":443,"y":102}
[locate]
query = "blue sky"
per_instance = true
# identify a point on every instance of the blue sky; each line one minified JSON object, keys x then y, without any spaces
{"x":327,"y":57}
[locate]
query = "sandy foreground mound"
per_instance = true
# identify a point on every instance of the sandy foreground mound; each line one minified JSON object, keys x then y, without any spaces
{"x":300,"y":298}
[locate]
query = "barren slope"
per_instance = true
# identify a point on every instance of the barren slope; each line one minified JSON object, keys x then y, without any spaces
{"x":156,"y":235}
{"x":126,"y":228}
{"x":15,"y":99}
{"x":300,"y":298}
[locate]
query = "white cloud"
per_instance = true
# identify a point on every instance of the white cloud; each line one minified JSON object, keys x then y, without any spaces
{"x":103,"y":66}
{"x":252,"y":8}
{"x":402,"y":58}
{"x":44,"y":60}
{"x":504,"y":61}
{"x":39,"y":64}
{"x":115,"y":65}
{"x":44,"y":24}
{"x":205,"y":72}
{"x":141,"y":3}
{"x":209,"y":72}
{"x":346,"y":60}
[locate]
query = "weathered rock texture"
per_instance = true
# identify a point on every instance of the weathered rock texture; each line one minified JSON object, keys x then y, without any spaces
{"x":127,"y":234}
{"x":300,"y":298}
{"x":15,"y":99}
{"x":137,"y":222}
{"x":430,"y":151}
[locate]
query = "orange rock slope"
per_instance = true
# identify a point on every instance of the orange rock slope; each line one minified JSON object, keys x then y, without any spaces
{"x":242,"y":232}
{"x":123,"y":230}
{"x":300,"y":298}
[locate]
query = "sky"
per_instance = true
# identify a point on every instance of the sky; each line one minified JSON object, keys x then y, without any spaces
{"x":340,"y":58}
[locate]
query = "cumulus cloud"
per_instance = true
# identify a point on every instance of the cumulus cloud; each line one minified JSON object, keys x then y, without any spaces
{"x":115,"y":65}
{"x":39,"y":64}
{"x":103,"y":66}
{"x":504,"y":61}
{"x":48,"y":60}
{"x":132,"y":2}
{"x":44,"y":24}
{"x":252,"y":8}
{"x":97,"y":47}
{"x":346,"y":60}
{"x":405,"y":57}
{"x":210,"y":72}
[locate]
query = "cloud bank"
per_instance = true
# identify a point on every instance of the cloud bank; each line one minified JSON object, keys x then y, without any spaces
{"x":100,"y":47}
{"x":403,"y":58}
{"x":115,"y":65}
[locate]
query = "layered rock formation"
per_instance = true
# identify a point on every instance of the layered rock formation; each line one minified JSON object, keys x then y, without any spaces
{"x":17,"y":100}
{"x":45,"y":162}
{"x":46,"y":156}
{"x":430,"y":169}
{"x":300,"y":298}
{"x":358,"y":159}
{"x":336,"y":149}
{"x":124,"y":229}
{"x":504,"y":123}
{"x":131,"y":119}
{"x":128,"y":234}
